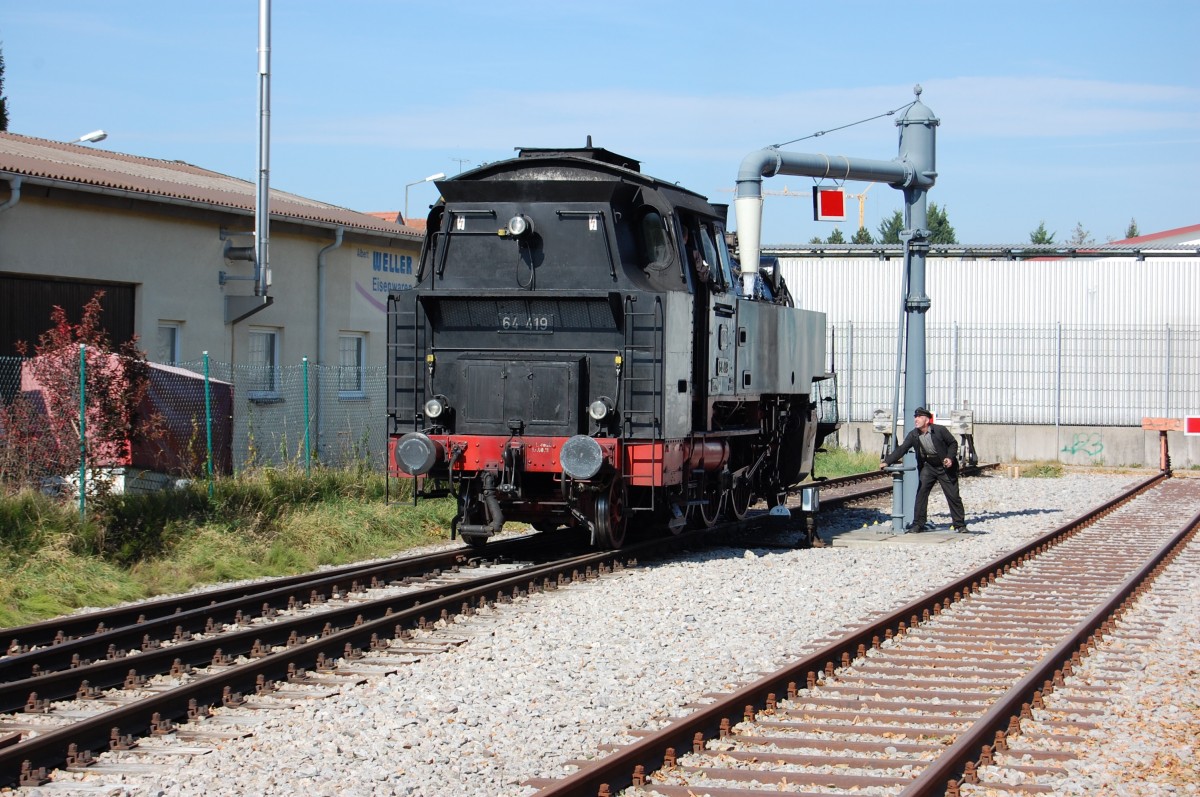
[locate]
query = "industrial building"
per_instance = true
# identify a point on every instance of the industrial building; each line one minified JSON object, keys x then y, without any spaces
{"x":1055,"y":354}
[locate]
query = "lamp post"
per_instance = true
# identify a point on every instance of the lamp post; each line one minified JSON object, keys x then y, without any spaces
{"x":91,"y":138}
{"x":437,"y":176}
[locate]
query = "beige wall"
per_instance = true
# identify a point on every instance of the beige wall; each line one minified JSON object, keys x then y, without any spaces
{"x":175,"y":254}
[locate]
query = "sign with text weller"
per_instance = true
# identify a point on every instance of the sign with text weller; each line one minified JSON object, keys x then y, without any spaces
{"x":376,"y":274}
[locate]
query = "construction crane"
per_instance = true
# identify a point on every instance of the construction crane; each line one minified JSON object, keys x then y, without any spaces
{"x":862,"y":198}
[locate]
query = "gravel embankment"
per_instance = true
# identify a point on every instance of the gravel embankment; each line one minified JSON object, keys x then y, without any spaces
{"x":550,"y":679}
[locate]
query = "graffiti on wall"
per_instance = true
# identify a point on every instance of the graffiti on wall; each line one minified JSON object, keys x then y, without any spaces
{"x":1086,"y":443}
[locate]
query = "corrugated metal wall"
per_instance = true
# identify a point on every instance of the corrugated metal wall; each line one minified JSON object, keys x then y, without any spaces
{"x":1077,"y":342}
{"x":1106,"y":291}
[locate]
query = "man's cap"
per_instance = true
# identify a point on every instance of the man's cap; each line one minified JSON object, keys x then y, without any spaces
{"x":922,"y":411}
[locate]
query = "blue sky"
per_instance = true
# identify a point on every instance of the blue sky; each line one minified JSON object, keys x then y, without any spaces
{"x":1062,"y":111}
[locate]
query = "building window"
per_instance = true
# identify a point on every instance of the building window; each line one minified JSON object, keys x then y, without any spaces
{"x":351,"y":359}
{"x":264,"y":363}
{"x":168,"y":342}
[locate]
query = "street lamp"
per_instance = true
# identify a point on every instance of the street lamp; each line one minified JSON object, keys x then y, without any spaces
{"x":91,"y":138}
{"x":437,"y":176}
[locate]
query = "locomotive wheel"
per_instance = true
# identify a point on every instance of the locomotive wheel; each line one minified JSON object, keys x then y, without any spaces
{"x":710,"y":508}
{"x":611,"y":516}
{"x":741,"y":495}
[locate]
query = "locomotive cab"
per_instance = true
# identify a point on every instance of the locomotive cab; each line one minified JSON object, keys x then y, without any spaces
{"x":577,"y":352}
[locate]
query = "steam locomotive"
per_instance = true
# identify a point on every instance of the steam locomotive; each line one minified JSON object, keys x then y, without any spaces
{"x":581,"y":350}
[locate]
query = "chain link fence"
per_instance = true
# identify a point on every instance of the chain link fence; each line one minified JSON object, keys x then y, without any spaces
{"x":1073,"y":375}
{"x":303,"y":415}
{"x":242,"y":417}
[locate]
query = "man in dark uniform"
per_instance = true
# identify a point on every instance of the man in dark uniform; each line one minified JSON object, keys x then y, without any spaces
{"x":936,"y":452}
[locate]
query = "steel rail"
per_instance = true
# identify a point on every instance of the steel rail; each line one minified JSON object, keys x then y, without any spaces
{"x":44,"y":633}
{"x":104,"y":673}
{"x":94,"y":733}
{"x":968,"y":747}
{"x":94,"y":647}
{"x":616,"y":771}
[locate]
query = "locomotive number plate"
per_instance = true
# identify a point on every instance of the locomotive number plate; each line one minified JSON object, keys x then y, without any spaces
{"x":523,"y":322}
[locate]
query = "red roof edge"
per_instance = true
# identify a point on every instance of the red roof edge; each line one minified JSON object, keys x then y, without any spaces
{"x":1157,"y":236}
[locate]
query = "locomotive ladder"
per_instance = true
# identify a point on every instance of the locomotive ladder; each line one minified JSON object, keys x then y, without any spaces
{"x":642,"y":407}
{"x":406,"y":356}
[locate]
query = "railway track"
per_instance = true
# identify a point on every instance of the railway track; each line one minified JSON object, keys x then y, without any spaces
{"x":934,"y":694}
{"x":76,"y":686}
{"x":79,"y":685}
{"x":841,"y":490}
{"x":95,"y":705}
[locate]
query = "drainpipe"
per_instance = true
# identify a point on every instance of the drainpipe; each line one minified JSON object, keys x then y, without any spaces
{"x":14,"y":186}
{"x":337,"y":241}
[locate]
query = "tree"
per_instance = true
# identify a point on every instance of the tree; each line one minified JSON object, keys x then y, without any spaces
{"x":40,"y":431}
{"x":836,"y":237}
{"x":1040,"y":235}
{"x":889,"y":229}
{"x":1080,"y":236}
{"x":862,"y":236}
{"x":940,"y":231}
{"x":939,"y":226}
{"x":1132,"y":231}
{"x":3,"y":99}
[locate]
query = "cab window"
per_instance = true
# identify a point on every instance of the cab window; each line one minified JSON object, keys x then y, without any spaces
{"x":652,"y":238}
{"x":716,"y":255}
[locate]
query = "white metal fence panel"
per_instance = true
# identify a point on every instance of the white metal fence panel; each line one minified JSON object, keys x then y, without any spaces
{"x":1120,"y":291}
{"x":1028,"y":374}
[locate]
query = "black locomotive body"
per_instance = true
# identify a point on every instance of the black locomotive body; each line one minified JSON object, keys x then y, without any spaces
{"x":579,"y":351}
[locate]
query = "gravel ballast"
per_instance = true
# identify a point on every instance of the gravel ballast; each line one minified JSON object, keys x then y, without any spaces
{"x":552,"y":678}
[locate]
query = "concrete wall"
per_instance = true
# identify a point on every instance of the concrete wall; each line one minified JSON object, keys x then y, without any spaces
{"x":1113,"y":446}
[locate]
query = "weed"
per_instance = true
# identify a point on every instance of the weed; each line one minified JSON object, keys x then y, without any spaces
{"x":1042,"y":470}
{"x":836,"y":461}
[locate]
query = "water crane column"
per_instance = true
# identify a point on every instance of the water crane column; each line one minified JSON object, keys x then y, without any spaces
{"x":914,"y":172}
{"x":917,"y":146}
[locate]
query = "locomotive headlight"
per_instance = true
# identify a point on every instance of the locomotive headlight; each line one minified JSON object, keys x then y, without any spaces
{"x":520,"y":225}
{"x":435,"y":407}
{"x":600,"y":408}
{"x":581,"y":457}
